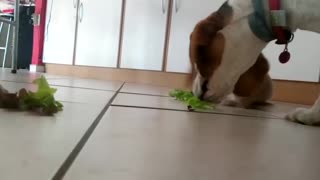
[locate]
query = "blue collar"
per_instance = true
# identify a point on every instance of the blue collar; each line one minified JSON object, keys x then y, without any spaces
{"x":258,"y":22}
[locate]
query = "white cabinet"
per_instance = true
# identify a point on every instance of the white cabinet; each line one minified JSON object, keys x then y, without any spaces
{"x":186,"y":14}
{"x":60,"y":31}
{"x":144,"y":34}
{"x":304,"y":64}
{"x":98,"y":33}
{"x":87,"y":32}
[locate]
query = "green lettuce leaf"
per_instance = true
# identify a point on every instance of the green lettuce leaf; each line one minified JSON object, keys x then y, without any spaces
{"x":192,"y":101}
{"x":43,"y":99}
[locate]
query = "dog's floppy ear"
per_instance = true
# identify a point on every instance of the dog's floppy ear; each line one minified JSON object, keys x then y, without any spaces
{"x":205,"y":45}
{"x":204,"y":31}
{"x":204,"y":41}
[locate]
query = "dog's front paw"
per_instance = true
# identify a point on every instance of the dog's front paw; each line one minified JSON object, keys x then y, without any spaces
{"x":304,"y":116}
{"x":217,"y":94}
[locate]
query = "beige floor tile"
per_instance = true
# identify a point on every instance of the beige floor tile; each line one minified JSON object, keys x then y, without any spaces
{"x":133,"y":88}
{"x":66,"y":94}
{"x":135,"y":100}
{"x":87,"y":83}
{"x":34,"y":147}
{"x":146,"y":89}
{"x":21,"y":76}
{"x":25,"y":76}
{"x":280,"y":109}
{"x":139,"y":144}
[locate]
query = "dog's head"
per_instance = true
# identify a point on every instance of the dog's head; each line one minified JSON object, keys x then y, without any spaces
{"x":225,"y":54}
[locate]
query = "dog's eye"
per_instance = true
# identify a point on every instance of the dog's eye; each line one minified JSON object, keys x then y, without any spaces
{"x":204,"y":89}
{"x":201,"y":53}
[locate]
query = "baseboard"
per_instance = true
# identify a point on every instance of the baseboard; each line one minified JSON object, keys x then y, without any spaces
{"x":296,"y":92}
{"x":177,"y":80}
{"x":285,"y":91}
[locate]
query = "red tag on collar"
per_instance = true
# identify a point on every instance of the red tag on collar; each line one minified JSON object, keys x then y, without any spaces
{"x":277,"y":30}
{"x":283,"y":35}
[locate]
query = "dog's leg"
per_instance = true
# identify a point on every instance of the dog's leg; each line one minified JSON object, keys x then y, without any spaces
{"x":306,"y":116}
{"x":262,"y":95}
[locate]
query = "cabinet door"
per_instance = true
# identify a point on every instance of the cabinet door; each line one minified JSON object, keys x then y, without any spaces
{"x":186,"y":14}
{"x":304,"y":64}
{"x":144,"y":34}
{"x":60,"y":31}
{"x":98,"y":33}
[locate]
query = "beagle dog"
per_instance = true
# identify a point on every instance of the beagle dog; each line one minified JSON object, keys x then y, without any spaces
{"x":226,"y":50}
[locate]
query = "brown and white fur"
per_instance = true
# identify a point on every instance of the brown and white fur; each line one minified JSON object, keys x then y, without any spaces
{"x":227,"y":54}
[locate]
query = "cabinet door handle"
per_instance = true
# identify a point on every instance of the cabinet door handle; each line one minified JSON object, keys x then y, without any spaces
{"x":319,"y":76}
{"x":163,"y":6}
{"x":81,"y":12}
{"x":75,"y":2}
{"x":176,"y":5}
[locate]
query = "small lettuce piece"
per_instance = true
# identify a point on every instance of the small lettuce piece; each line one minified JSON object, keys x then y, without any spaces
{"x":43,"y":99}
{"x":192,"y":101}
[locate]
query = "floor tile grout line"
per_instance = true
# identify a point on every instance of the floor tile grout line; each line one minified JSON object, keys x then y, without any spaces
{"x":76,"y":87}
{"x":142,"y":94}
{"x":30,"y":82}
{"x":199,"y":112}
{"x":72,"y":87}
{"x":63,"y":169}
{"x":153,"y":95}
{"x":139,"y":94}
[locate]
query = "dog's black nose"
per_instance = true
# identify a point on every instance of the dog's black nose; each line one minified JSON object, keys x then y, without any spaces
{"x":204,"y":89}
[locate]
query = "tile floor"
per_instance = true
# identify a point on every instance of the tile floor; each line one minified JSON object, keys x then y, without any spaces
{"x":124,"y":131}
